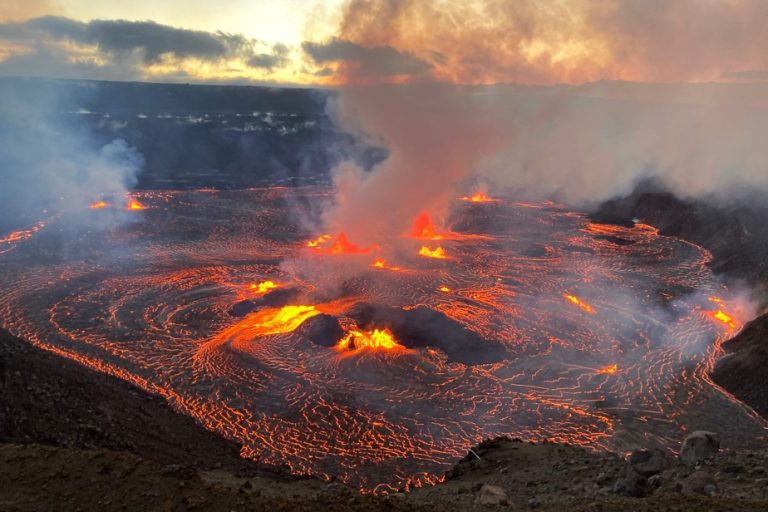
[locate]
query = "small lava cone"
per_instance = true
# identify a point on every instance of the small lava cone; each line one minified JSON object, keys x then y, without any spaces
{"x":323,"y":330}
{"x":274,"y":299}
{"x":425,"y":327}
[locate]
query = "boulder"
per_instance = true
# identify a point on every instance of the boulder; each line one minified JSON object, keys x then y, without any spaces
{"x":649,"y":462}
{"x":700,"y":482}
{"x":699,"y":445}
{"x":633,"y":485}
{"x":492,"y":495}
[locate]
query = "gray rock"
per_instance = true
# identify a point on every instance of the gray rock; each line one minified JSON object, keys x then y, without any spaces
{"x":698,"y":482}
{"x":699,"y":445}
{"x":602,"y":479}
{"x":492,"y":495}
{"x":649,"y":462}
{"x":710,"y":490}
{"x":655,"y":481}
{"x":633,"y":485}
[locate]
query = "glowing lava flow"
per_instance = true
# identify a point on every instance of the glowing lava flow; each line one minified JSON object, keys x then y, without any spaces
{"x":424,"y":229}
{"x":610,"y":369}
{"x":263,"y":287}
{"x":382,"y":264}
{"x":478,"y":197}
{"x":341,"y":245}
{"x":97,"y":205}
{"x":318,"y":241}
{"x":376,"y":339}
{"x":583,"y":305}
{"x":438,"y":253}
{"x":720,"y":315}
{"x":275,"y":320}
{"x":135,"y":205}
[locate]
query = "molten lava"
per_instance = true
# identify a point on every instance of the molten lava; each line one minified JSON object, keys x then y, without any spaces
{"x":98,"y":204}
{"x":277,"y":320}
{"x":725,"y":318}
{"x":319,"y":240}
{"x":343,"y":246}
{"x":575,"y":300}
{"x":444,"y":289}
{"x":438,"y":252}
{"x":423,"y":228}
{"x":610,"y":369}
{"x":133,"y":204}
{"x":382,"y":264}
{"x":376,"y":339}
{"x":478,"y":197}
{"x":263,"y":287}
{"x":720,"y":315}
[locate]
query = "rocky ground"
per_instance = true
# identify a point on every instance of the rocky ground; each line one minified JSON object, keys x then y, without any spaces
{"x":74,"y":439}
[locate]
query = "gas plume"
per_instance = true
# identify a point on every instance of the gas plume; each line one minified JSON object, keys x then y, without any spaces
{"x":577,"y":145}
{"x":51,"y":164}
{"x":548,"y":41}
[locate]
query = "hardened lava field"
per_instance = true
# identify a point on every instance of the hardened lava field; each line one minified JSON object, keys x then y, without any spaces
{"x":520,"y":319}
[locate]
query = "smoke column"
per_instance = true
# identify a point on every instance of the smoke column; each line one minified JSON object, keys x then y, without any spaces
{"x":579,"y":145}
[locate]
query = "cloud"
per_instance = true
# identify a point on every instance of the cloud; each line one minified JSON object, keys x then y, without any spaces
{"x":278,"y":58}
{"x":96,"y":46}
{"x":378,"y":61}
{"x":565,"y":41}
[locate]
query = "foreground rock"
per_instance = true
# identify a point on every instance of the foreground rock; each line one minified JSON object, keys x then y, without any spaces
{"x":649,"y":462}
{"x":492,"y":495}
{"x":698,"y":446}
{"x":50,"y":400}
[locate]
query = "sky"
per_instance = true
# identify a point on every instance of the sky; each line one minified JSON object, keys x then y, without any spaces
{"x":334,"y":42}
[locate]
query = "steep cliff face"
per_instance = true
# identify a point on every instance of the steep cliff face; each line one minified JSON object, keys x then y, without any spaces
{"x":742,"y":370}
{"x":735,"y":234}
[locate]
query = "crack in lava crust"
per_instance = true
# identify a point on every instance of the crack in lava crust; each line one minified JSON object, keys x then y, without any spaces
{"x":607,"y":347}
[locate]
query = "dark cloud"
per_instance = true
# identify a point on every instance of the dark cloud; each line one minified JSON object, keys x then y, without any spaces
{"x":369,"y":61}
{"x":120,"y":37}
{"x":59,"y":46}
{"x":278,"y":58}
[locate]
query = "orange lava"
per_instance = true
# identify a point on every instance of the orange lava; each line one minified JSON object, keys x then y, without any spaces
{"x":444,"y":289}
{"x":276,"y":320}
{"x":438,"y":253}
{"x":724,"y":318}
{"x":720,"y":315}
{"x":610,"y":369}
{"x":98,"y":204}
{"x":135,"y":205}
{"x":376,"y":339}
{"x":478,"y":197}
{"x":423,"y":228}
{"x":342,"y":245}
{"x":263,"y":287}
{"x":382,"y":264}
{"x":575,"y":300}
{"x":319,"y":240}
